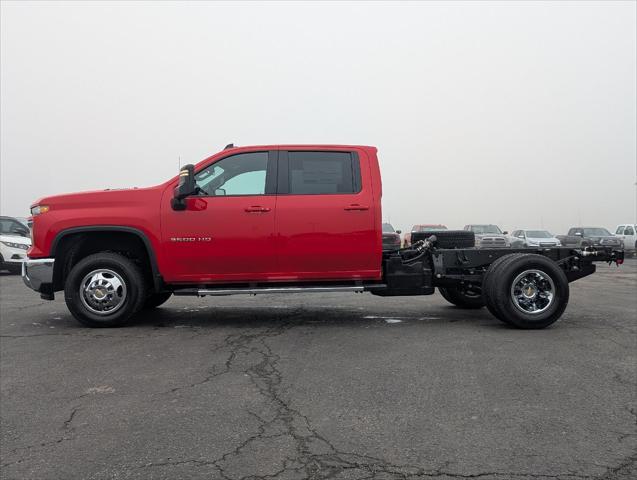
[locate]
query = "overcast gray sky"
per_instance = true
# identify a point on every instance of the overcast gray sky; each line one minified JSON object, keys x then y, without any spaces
{"x":522,"y":114}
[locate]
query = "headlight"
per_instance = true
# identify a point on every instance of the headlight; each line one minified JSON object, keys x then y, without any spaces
{"x":535,"y":244}
{"x":38,"y":209}
{"x":16,"y":245}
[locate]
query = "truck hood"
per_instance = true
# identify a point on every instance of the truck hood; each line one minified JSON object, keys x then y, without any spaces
{"x":97,"y":198}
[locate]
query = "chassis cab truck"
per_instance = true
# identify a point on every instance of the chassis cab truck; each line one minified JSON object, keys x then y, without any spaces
{"x":276,"y":219}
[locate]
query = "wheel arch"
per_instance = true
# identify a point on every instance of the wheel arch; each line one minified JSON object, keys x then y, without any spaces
{"x":72,"y":244}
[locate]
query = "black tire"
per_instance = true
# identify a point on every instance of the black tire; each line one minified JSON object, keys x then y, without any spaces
{"x":500,"y":298}
{"x":448,"y":238}
{"x":488,"y":283}
{"x":462,"y":298}
{"x":156,"y":299}
{"x":131,"y":277}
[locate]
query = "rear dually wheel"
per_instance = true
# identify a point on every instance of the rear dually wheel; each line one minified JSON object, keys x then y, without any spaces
{"x":527,"y":291}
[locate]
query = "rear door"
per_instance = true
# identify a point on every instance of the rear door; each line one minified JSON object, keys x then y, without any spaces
{"x":325,"y":220}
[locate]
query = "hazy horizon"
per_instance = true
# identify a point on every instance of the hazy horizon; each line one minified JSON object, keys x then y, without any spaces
{"x":519,"y":114}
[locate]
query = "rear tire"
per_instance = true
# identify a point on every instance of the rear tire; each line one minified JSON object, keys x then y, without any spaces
{"x":105,"y":290}
{"x":157,"y":299}
{"x":527,"y":291}
{"x":468,"y":299}
{"x":488,"y":283}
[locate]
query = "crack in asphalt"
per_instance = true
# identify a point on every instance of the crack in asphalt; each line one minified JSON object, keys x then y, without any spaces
{"x":66,"y":426}
{"x":310,"y":455}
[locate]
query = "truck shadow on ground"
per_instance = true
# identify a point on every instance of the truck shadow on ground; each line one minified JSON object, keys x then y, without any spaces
{"x":212,"y":317}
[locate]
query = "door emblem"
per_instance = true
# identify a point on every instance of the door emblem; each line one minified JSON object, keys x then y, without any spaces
{"x":190,"y":239}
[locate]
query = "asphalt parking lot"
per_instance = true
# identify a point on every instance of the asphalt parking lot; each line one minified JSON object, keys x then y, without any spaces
{"x":345,"y":386}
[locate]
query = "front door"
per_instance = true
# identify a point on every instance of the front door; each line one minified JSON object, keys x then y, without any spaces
{"x":326,"y":222}
{"x":226,"y":232}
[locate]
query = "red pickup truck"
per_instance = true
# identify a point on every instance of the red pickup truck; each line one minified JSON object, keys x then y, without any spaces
{"x":274,"y":219}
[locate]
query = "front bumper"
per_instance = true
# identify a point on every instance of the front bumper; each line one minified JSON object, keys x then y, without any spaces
{"x":37,"y":274}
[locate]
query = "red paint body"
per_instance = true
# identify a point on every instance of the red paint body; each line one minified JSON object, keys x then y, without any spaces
{"x":264,"y":238}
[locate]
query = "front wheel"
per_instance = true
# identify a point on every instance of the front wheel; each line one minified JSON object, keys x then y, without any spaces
{"x":530,"y":291}
{"x":468,"y":297}
{"x":105,"y":290}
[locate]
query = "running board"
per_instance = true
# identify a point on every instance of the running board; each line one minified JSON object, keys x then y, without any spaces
{"x":254,"y":291}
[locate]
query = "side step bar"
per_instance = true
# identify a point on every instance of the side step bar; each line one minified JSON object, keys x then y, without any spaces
{"x":201,"y":292}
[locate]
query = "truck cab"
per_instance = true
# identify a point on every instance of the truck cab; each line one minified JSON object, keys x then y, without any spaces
{"x":262,"y":214}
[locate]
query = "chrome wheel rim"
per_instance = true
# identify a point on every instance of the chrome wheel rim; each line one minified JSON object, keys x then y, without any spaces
{"x":103,"y":291}
{"x":533,"y":292}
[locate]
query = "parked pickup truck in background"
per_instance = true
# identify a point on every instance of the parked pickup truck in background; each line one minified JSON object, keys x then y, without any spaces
{"x":489,"y":236}
{"x":275,"y":219}
{"x":590,"y":237}
{"x":421,"y":228}
{"x":628,"y":234}
{"x":391,"y":237}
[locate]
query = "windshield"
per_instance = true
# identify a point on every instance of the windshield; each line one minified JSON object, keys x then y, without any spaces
{"x":485,"y":229}
{"x":538,"y":234}
{"x":596,"y":232}
{"x":387,"y":228}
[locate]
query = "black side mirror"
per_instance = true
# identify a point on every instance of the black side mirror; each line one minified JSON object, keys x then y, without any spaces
{"x":185,"y":188}
{"x":505,"y":232}
{"x":399,"y":232}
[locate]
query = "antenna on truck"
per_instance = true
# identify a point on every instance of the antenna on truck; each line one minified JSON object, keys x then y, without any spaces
{"x":230,"y":145}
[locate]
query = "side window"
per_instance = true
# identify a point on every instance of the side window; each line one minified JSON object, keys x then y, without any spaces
{"x":312,"y":173}
{"x":242,"y":174}
{"x":629,"y":230}
{"x":620,"y":230}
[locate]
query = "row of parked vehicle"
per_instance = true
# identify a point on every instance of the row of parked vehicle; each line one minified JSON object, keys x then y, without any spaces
{"x":490,"y":236}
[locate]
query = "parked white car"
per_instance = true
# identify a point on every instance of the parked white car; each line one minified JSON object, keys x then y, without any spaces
{"x":15,"y":240}
{"x":628,"y":233}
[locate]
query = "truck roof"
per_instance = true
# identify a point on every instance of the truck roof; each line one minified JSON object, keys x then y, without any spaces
{"x":302,"y":145}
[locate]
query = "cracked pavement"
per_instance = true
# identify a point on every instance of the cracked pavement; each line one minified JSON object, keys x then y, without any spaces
{"x":317,"y":386}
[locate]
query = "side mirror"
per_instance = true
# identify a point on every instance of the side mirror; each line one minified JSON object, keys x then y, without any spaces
{"x":505,"y":232}
{"x":185,"y":188}
{"x":399,"y":232}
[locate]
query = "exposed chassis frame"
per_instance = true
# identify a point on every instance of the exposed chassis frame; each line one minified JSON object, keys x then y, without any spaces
{"x":451,"y":266}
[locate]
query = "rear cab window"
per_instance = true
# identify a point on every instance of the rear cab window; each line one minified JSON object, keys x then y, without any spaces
{"x":319,"y":173}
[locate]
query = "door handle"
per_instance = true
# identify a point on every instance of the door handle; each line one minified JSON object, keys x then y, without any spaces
{"x":257,"y":209}
{"x":356,"y":206}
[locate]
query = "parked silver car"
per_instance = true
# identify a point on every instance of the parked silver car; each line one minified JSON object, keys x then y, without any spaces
{"x":534,"y":238}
